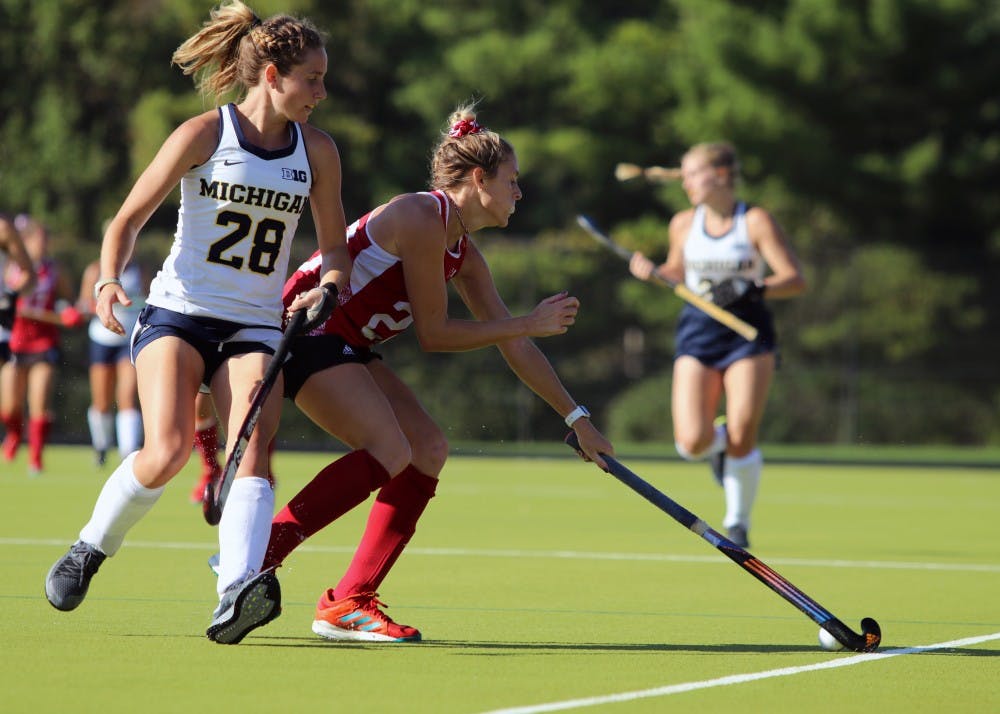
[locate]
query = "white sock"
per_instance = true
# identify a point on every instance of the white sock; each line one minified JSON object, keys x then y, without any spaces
{"x":718,"y":444}
{"x":122,"y":503}
{"x":244,"y":530}
{"x":101,"y":424}
{"x":740,"y":481}
{"x":129,"y":427}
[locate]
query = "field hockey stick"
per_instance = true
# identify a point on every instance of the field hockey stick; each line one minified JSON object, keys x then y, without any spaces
{"x":215,"y":496}
{"x":655,"y":174}
{"x":744,"y":329}
{"x":871,"y":633}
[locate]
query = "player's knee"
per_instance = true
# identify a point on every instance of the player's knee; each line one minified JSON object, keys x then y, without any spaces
{"x":741,"y":442}
{"x":430,"y":452}
{"x":690,"y":448}
{"x":160,"y":464}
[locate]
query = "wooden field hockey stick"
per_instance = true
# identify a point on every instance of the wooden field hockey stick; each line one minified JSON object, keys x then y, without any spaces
{"x":744,"y":329}
{"x":871,"y":633}
{"x":214,"y":499}
{"x":653,"y":174}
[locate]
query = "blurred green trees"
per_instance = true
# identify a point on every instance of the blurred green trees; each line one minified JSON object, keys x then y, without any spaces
{"x":870,"y":129}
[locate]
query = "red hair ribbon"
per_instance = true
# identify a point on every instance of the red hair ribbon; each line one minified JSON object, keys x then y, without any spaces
{"x":464,"y":127}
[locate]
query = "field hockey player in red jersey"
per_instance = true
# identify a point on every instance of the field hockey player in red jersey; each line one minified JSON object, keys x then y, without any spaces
{"x":35,"y":345}
{"x":405,"y":252}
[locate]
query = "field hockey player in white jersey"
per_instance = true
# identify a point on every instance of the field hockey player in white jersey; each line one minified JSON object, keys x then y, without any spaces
{"x":723,"y":249}
{"x":405,"y":252}
{"x":214,"y":310}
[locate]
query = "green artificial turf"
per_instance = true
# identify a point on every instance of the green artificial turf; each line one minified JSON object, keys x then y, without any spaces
{"x":540,"y":584}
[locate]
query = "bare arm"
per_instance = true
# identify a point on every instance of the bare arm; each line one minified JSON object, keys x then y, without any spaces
{"x":671,"y":270}
{"x":786,"y":279}
{"x":191,"y":144}
{"x":85,"y":302}
{"x":328,"y":215}
{"x":528,"y":362}
{"x":11,"y":244}
{"x":415,"y":229}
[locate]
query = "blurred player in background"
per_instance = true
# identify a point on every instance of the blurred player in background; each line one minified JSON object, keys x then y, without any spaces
{"x":247,"y":170}
{"x":722,"y":248}
{"x":405,"y":252}
{"x":113,"y":415}
{"x":34,"y":345}
{"x":12,"y":252}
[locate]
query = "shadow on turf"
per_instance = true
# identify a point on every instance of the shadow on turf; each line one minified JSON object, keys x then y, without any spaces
{"x":501,"y":648}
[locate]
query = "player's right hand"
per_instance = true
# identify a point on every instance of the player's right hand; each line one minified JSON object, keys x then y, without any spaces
{"x":111,"y":294}
{"x":553,"y":315}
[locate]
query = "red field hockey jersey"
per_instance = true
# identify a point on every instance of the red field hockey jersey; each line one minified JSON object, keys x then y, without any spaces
{"x":375,"y":307}
{"x":33,"y":336}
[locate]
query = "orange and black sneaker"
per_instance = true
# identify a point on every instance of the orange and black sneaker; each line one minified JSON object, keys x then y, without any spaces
{"x":358,"y":618}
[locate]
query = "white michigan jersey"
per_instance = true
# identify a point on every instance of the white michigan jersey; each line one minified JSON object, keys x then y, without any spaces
{"x":711,"y":258}
{"x":239,"y":211}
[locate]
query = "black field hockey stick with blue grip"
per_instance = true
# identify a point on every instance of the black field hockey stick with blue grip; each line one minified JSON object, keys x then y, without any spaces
{"x":871,"y":633}
{"x":214,"y":499}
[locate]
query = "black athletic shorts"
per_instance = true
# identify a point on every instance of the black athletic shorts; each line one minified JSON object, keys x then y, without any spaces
{"x":717,"y":346}
{"x":314,"y":353}
{"x":215,"y":340}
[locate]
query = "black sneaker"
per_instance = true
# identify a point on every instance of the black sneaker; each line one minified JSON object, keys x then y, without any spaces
{"x":245,"y":607}
{"x":738,"y":535}
{"x":67,"y":582}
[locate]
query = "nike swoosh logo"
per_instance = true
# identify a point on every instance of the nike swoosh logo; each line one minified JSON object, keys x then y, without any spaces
{"x":227,"y":162}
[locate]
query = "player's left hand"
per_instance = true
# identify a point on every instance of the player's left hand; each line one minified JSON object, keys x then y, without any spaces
{"x":731,"y":290}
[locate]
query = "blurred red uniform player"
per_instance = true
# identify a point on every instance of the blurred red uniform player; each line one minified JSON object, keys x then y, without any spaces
{"x":34,"y":347}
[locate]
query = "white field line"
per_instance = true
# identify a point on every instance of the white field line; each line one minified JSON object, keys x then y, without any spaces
{"x":736,"y":678}
{"x":211,"y":547}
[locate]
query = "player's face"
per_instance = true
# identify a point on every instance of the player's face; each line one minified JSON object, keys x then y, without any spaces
{"x":501,"y":192}
{"x":699,"y":178}
{"x":303,"y":88}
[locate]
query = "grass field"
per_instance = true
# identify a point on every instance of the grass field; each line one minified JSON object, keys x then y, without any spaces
{"x":539,"y":584}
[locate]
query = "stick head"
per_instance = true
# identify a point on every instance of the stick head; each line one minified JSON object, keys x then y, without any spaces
{"x":868,"y":641}
{"x":872,"y":633}
{"x":627,"y":172}
{"x":210,"y":507}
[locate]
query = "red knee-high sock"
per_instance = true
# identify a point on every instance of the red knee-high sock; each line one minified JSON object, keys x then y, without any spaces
{"x":206,"y":441}
{"x":38,"y":434}
{"x":334,"y":491}
{"x":391,"y":524}
{"x":15,"y":433}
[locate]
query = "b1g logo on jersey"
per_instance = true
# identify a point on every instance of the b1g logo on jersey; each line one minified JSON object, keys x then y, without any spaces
{"x":294,"y":175}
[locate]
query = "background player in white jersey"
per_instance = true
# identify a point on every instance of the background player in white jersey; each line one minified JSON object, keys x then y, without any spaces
{"x":722,"y":248}
{"x":214,"y":310}
{"x":405,"y":252}
{"x":113,"y":415}
{"x":12,"y":252}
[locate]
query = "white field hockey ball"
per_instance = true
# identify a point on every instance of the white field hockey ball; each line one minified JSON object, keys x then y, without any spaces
{"x":828,"y":641}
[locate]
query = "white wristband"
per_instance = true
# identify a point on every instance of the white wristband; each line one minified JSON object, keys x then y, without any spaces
{"x":578,"y":413}
{"x":104,"y":282}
